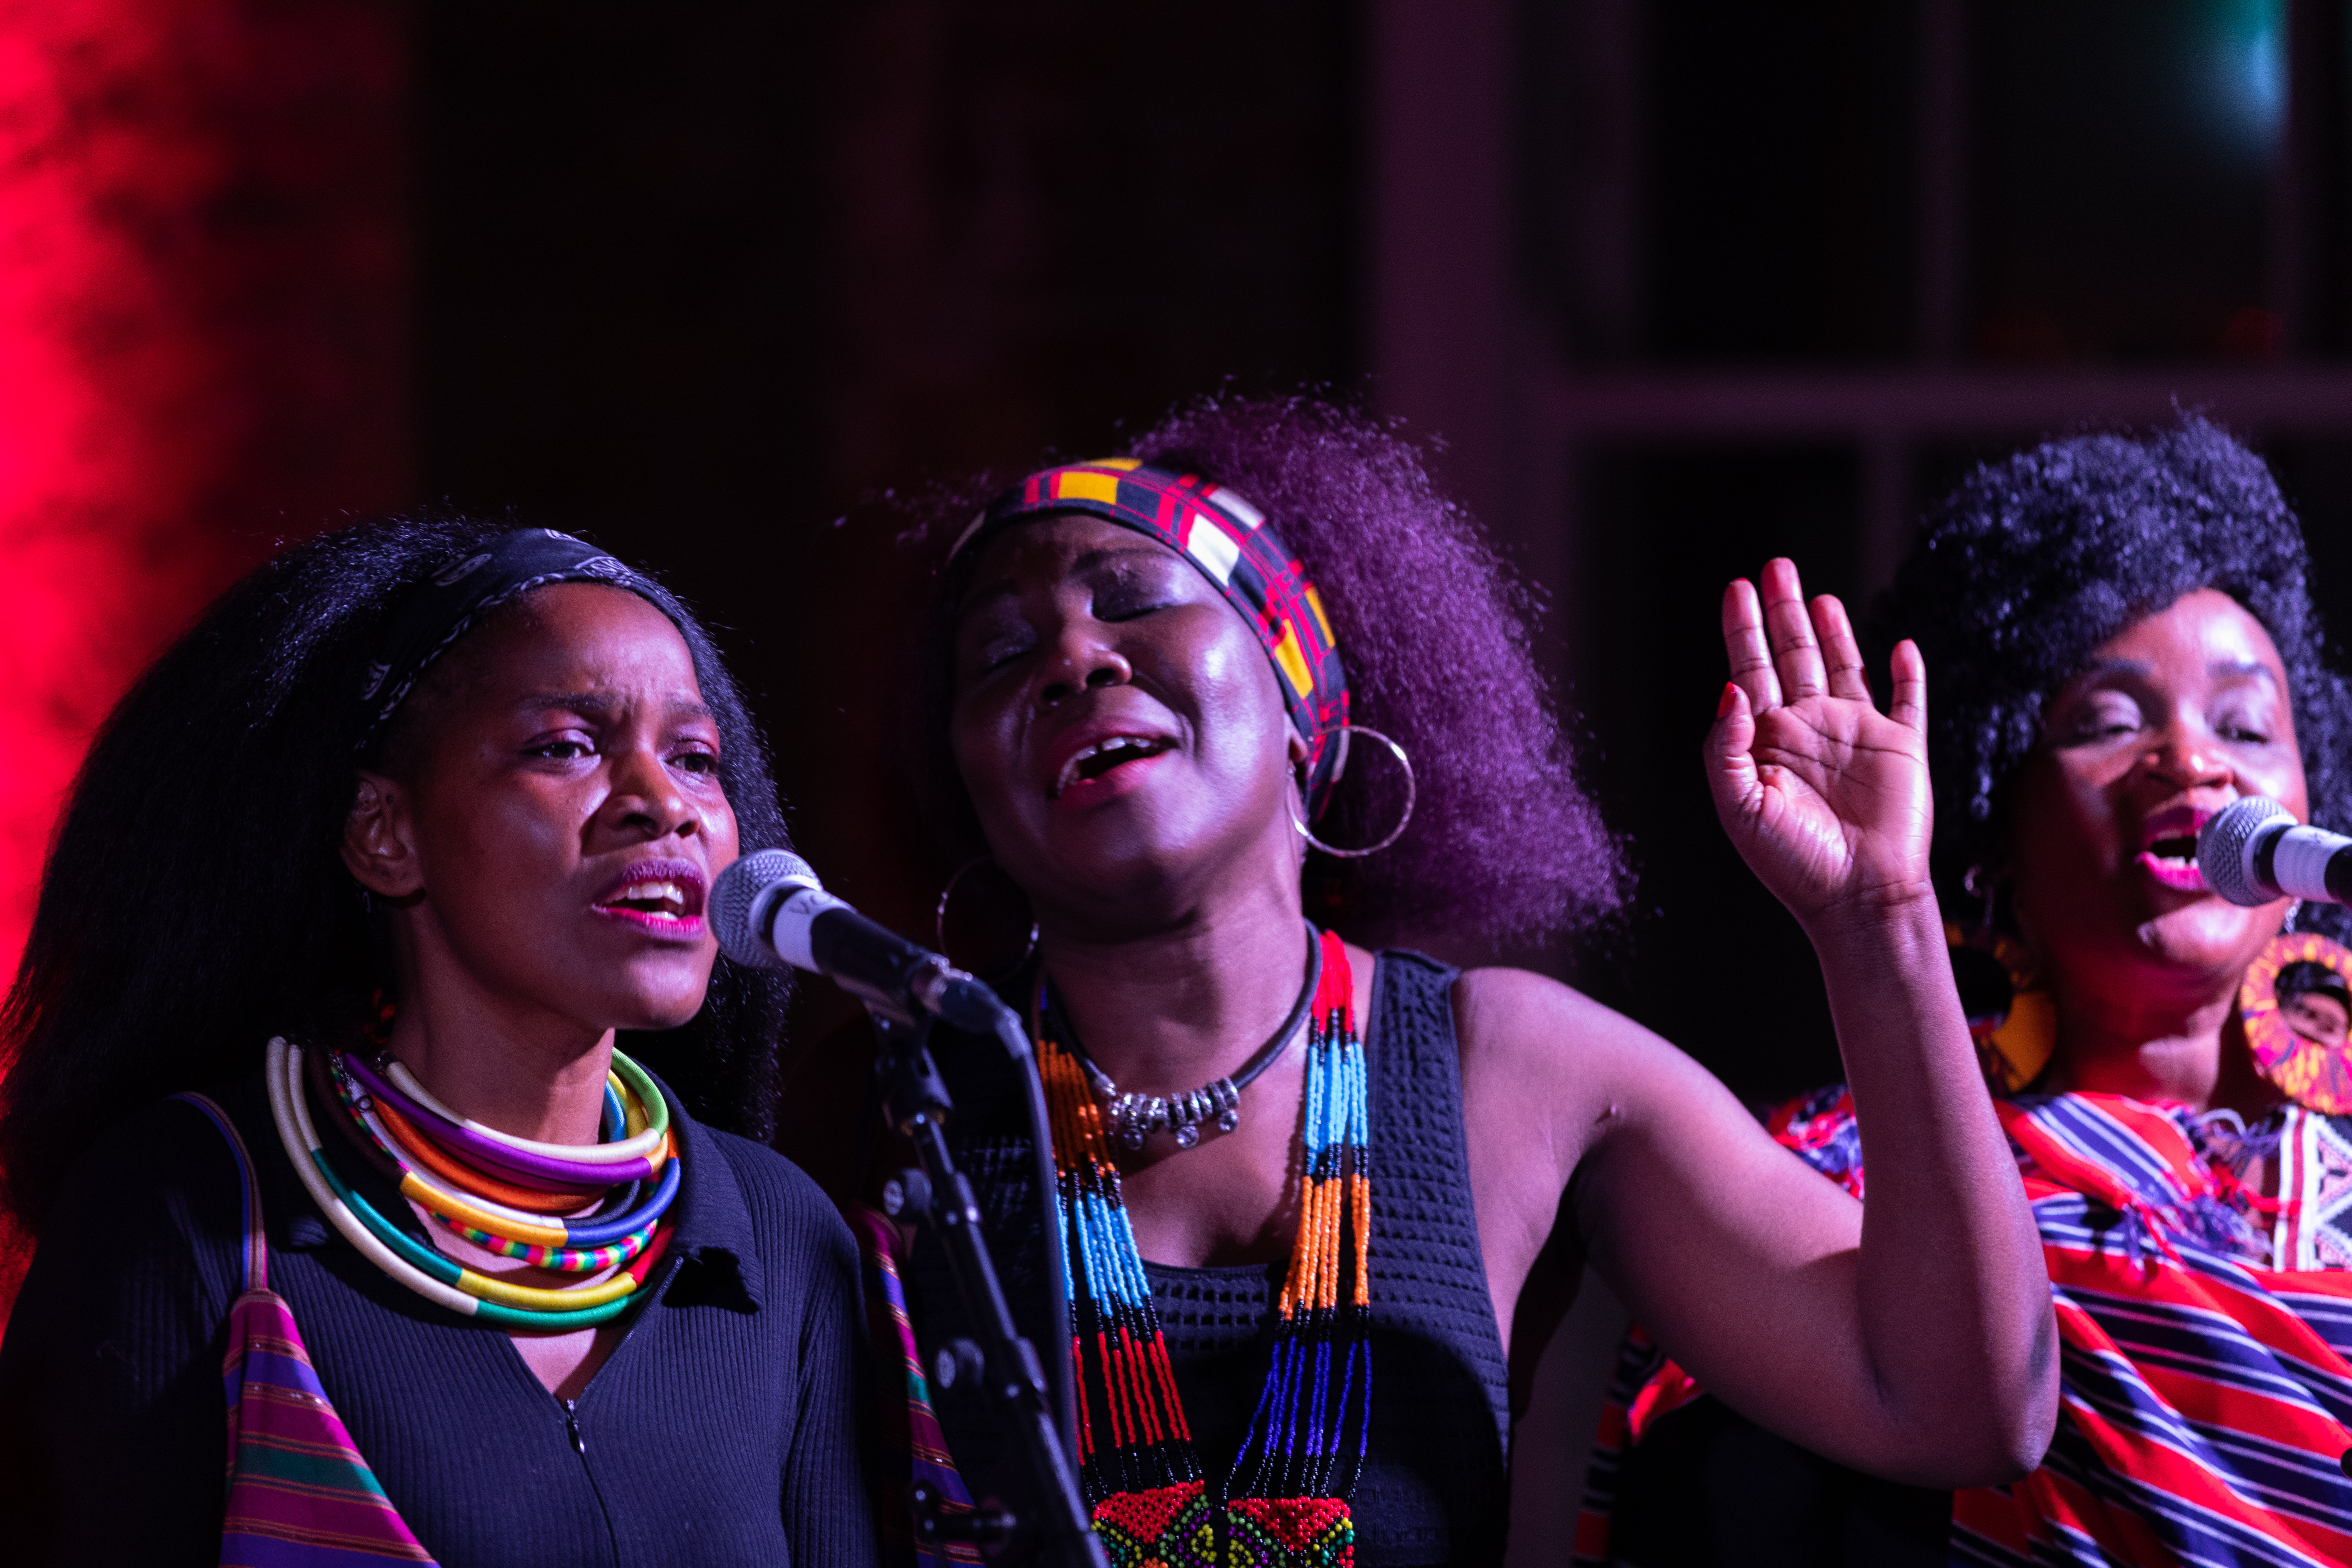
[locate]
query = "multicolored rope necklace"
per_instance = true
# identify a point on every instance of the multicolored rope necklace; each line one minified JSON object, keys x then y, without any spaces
{"x":509,"y":1196}
{"x":1286,"y":1503}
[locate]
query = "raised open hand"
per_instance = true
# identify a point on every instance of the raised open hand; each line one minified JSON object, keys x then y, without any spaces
{"x":1826,"y":797}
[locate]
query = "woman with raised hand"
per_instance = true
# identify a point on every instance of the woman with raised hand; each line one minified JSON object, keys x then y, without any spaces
{"x":2125,"y":643}
{"x":1322,"y":1199}
{"x":369,"y":873}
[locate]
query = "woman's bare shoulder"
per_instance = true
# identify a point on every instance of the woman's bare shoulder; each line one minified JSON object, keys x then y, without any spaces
{"x":1544,"y":1063}
{"x":1530,"y":1025}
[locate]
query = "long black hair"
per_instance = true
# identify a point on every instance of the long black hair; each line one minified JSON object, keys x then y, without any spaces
{"x":2035,"y":560}
{"x":196,"y":901}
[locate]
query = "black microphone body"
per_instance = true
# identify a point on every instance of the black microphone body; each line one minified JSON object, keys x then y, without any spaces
{"x":870,"y":961}
{"x":769,"y":910}
{"x":2252,"y":851}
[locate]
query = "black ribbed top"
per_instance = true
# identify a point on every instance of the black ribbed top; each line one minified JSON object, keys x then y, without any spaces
{"x":1433,"y":1488}
{"x":721,"y":1429}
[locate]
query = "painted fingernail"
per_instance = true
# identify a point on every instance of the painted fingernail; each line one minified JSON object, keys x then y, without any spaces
{"x":1730,"y":699}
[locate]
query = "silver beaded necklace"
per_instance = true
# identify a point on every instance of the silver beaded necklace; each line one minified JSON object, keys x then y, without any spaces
{"x":1134,"y":1118}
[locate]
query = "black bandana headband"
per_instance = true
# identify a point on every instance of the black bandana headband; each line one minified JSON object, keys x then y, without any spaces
{"x":462,"y":593}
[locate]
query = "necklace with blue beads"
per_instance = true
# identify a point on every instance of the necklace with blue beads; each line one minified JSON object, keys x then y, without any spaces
{"x":1285,"y":1505}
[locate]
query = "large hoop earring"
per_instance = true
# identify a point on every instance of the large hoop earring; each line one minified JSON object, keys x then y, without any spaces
{"x":1980,"y":883}
{"x":940,"y":916}
{"x":1412,"y":792}
{"x":2012,"y":1018}
{"x":2317,"y":1076}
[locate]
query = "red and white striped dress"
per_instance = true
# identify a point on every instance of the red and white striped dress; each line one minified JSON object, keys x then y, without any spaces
{"x":2207,"y":1342}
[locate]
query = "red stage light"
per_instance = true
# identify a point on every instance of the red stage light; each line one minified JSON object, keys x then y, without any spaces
{"x":203,"y":304}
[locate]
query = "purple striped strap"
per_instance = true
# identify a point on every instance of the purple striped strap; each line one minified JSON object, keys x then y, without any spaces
{"x":300,"y":1493}
{"x":256,"y":1245}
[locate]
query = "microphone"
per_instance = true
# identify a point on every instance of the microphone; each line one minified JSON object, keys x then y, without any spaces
{"x":769,"y":910}
{"x":2252,"y":851}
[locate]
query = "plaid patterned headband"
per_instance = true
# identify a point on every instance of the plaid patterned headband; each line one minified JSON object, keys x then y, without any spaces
{"x":464,"y":590}
{"x":1229,"y":540}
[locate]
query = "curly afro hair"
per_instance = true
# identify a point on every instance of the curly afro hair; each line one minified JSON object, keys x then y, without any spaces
{"x":2036,"y":560}
{"x":1505,"y":845}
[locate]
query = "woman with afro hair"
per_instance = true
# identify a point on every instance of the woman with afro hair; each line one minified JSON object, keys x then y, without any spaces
{"x":2125,"y":643}
{"x":1237,"y":710}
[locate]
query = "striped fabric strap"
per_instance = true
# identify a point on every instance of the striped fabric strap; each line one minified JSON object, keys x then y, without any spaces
{"x":909,"y":1427}
{"x":300,"y":1493}
{"x":257,"y":1246}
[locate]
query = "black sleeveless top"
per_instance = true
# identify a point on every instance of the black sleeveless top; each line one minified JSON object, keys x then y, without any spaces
{"x":1433,"y":1488}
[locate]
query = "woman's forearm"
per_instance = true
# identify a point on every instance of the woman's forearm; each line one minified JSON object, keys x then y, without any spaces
{"x":1952,"y":1296}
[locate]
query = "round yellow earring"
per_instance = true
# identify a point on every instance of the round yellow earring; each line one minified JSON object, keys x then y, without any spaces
{"x":2313,"y":1073}
{"x":2011,"y":1019}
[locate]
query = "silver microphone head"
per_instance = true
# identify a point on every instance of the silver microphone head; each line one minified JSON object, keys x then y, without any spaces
{"x":2225,"y":847}
{"x":740,"y":899}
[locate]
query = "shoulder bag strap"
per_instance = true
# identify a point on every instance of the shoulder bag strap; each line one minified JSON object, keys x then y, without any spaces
{"x":300,"y":1493}
{"x":257,"y":1242}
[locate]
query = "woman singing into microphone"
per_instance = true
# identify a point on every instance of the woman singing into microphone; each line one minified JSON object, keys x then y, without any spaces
{"x":2125,"y":643}
{"x":391,"y":873}
{"x":1321,"y":1199}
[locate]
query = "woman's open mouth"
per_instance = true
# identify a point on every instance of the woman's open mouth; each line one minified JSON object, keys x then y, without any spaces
{"x":2168,"y":848}
{"x":663,"y":898}
{"x":1093,"y":768}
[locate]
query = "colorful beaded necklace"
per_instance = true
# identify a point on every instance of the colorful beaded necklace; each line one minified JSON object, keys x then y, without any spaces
{"x":509,"y":1196}
{"x":1286,"y":1503}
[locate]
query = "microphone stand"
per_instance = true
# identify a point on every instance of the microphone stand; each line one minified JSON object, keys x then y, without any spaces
{"x":1013,"y":1380}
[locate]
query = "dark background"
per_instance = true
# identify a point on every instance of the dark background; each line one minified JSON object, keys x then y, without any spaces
{"x":1680,"y":284}
{"x":710,"y":288}
{"x":712,"y":291}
